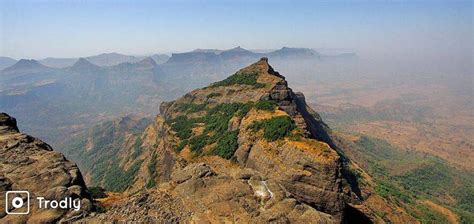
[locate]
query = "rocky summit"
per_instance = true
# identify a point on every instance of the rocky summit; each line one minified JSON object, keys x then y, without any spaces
{"x":244,"y":149}
{"x":29,"y":164}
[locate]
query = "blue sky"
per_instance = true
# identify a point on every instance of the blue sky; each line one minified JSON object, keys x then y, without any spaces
{"x":38,"y":29}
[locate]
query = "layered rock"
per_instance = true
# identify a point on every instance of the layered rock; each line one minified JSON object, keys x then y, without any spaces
{"x":283,"y":180}
{"x":245,"y":149}
{"x":29,"y":164}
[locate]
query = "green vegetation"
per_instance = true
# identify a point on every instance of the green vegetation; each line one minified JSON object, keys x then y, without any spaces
{"x":182,"y":126}
{"x":197,"y":143}
{"x":227,"y":145}
{"x":217,"y":118}
{"x":137,"y":148}
{"x":191,"y":107}
{"x":102,"y":160}
{"x":216,"y":122}
{"x":465,"y":199}
{"x":434,"y":180}
{"x":119,"y":180}
{"x":387,"y":190}
{"x":265,"y":105}
{"x":151,"y":172}
{"x":211,"y":95}
{"x":428,"y":178}
{"x":425,"y":214}
{"x":181,"y":145}
{"x":97,"y":192}
{"x":103,"y":135}
{"x":274,"y":128}
{"x":216,"y":127}
{"x":240,"y":79}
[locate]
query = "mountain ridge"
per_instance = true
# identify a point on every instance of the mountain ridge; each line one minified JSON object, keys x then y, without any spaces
{"x":104,"y":59}
{"x":246,"y":135}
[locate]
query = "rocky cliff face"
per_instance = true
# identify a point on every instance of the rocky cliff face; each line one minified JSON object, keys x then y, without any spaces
{"x":28,"y":164}
{"x":100,"y":151}
{"x":245,"y":149}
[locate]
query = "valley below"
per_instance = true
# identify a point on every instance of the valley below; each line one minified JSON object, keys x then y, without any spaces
{"x":419,"y":136}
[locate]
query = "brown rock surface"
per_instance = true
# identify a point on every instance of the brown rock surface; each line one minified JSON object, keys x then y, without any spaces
{"x":28,"y":164}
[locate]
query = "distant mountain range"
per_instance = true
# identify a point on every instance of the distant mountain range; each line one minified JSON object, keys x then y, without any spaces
{"x":198,"y":55}
{"x":238,"y":53}
{"x":97,"y":88}
{"x":106,"y":59}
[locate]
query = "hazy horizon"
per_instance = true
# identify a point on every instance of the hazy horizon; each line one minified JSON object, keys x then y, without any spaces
{"x":169,"y":53}
{"x":432,"y":31}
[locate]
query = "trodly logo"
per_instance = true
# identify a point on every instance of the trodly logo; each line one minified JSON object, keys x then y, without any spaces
{"x":17,"y":202}
{"x":66,"y":203}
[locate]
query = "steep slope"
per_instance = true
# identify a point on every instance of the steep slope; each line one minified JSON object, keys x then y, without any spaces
{"x":244,"y":149}
{"x":100,"y":150}
{"x":28,"y":164}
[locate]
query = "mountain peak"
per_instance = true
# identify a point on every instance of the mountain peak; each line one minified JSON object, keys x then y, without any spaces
{"x":26,"y":64}
{"x":236,"y":52}
{"x":82,"y":61}
{"x":251,"y":118}
{"x":237,"y":49}
{"x":148,"y":61}
{"x":261,"y":67}
{"x":83,"y":64}
{"x":264,"y":60}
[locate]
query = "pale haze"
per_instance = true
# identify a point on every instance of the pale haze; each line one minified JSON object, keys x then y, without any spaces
{"x":425,"y":30}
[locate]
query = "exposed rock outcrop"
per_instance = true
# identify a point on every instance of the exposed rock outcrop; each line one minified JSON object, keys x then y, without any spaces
{"x":245,"y":149}
{"x":29,"y":164}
